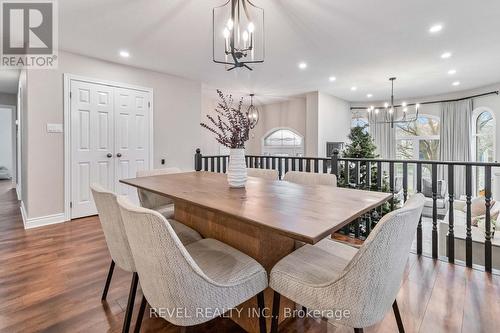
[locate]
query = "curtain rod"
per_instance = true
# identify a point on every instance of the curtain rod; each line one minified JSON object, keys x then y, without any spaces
{"x":434,"y":102}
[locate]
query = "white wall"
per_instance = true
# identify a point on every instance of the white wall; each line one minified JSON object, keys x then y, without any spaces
{"x":6,"y":139}
{"x":177,"y":104}
{"x":312,"y":114}
{"x":334,"y":121}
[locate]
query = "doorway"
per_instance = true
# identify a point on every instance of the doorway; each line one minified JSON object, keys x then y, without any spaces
{"x":7,"y":143}
{"x":108,"y":138}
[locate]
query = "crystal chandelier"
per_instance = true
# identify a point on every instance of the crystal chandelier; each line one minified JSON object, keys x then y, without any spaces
{"x":395,"y":114}
{"x":253,"y":113}
{"x":238,"y":34}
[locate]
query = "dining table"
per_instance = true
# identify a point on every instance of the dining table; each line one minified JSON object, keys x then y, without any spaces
{"x":266,"y":219}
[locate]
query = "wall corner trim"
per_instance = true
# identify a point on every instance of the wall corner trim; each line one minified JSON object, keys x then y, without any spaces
{"x":36,"y":222}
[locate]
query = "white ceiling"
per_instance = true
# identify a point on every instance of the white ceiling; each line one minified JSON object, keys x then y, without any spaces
{"x":360,"y":42}
{"x":8,"y":81}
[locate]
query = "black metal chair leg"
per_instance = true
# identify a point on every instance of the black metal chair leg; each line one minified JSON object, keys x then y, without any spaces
{"x":108,"y":281}
{"x":276,"y":312}
{"x":398,"y":317}
{"x":261,"y":306}
{"x":130,"y":304}
{"x":358,"y":330}
{"x":140,"y":315}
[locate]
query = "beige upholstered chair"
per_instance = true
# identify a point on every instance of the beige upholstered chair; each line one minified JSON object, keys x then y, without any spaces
{"x":331,"y":276}
{"x":310,"y":178}
{"x":263,"y":173}
{"x":206,"y":274}
{"x":117,"y":242}
{"x":154,"y":201}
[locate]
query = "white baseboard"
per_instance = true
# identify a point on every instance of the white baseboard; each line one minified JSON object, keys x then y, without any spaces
{"x":18,"y":193}
{"x":36,"y":222}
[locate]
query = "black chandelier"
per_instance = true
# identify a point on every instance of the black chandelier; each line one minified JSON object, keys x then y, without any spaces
{"x":238,"y":34}
{"x":395,"y":114}
{"x":253,"y":113}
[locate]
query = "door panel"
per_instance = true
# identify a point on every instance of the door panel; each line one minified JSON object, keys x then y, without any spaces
{"x":91,"y":141}
{"x":106,"y":121}
{"x":132,"y":139}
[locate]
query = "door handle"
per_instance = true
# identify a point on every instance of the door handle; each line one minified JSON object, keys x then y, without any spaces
{"x":119,"y":155}
{"x":109,"y":155}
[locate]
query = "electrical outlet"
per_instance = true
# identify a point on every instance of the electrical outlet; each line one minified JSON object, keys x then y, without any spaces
{"x":162,"y":161}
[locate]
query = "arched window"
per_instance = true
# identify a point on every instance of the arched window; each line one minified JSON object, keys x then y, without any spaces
{"x":283,"y":142}
{"x":483,"y":145}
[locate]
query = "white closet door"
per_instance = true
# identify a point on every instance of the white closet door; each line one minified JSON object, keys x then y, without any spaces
{"x":131,"y":137}
{"x":92,"y":144}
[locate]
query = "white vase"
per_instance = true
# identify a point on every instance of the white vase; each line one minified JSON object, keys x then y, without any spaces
{"x":237,"y":170}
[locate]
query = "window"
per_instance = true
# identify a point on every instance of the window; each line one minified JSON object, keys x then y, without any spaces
{"x":417,"y":140}
{"x":283,"y":142}
{"x":484,"y":143}
{"x":359,"y":121}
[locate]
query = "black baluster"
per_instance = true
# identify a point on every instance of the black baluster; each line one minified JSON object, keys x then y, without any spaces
{"x":294,"y":160}
{"x":391,"y":182}
{"x":356,"y":173}
{"x":379,"y":176}
{"x":434,"y":212}
{"x":405,"y":181}
{"x":316,"y":165}
{"x":287,"y":160}
{"x":218,"y":165}
{"x":268,"y":164}
{"x":261,"y":162}
{"x":468,"y":232}
{"x":487,"y":222}
{"x":451,"y":215}
{"x":198,"y":160}
{"x":273,"y":163}
{"x":325,"y":166}
{"x":419,"y":226}
{"x":308,"y":165}
{"x":347,"y":173}
{"x":205,"y":162}
{"x":301,"y":164}
{"x":212,"y":164}
{"x":335,"y":163}
{"x":368,"y":176}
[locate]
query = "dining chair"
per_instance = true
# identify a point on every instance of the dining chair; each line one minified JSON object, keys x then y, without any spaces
{"x":207,"y":274}
{"x":310,"y":178}
{"x":118,"y":245}
{"x":331,"y":276}
{"x":154,"y":201}
{"x":263,"y":173}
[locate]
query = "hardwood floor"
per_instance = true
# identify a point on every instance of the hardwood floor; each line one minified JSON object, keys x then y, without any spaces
{"x":51,"y":280}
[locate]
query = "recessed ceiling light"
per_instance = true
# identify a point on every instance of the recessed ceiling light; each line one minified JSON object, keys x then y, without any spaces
{"x":436,"y":28}
{"x":369,"y":95}
{"x":446,"y":55}
{"x":124,"y":54}
{"x":332,"y":78}
{"x":456,"y":83}
{"x":354,"y":88}
{"x":452,"y":72}
{"x":302,"y":65}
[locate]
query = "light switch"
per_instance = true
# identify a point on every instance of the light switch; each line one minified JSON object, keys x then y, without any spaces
{"x":54,"y":128}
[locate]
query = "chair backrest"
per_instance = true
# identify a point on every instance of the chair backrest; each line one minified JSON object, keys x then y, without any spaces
{"x":112,"y":226}
{"x":170,"y":278}
{"x":310,"y":178}
{"x":149,"y":199}
{"x":263,"y":173}
{"x":373,"y":277}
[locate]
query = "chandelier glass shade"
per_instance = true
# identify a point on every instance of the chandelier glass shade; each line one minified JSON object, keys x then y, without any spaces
{"x":238,"y":34}
{"x":395,"y":114}
{"x":253,"y":113}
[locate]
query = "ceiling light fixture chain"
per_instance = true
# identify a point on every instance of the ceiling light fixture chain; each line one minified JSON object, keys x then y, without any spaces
{"x":238,"y":34}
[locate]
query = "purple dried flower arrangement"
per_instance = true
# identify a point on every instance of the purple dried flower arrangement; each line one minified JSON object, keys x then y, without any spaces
{"x":231,"y":125}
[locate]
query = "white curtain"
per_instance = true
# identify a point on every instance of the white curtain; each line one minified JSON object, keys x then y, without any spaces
{"x":383,"y":135}
{"x":455,"y":139}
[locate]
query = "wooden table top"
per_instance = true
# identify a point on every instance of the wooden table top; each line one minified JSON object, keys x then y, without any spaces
{"x":302,"y":212}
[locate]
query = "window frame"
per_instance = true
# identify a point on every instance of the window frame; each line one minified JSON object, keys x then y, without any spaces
{"x":416,"y":139}
{"x":294,"y":148}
